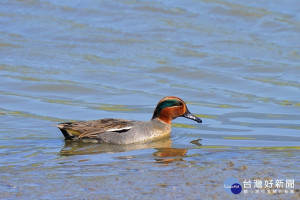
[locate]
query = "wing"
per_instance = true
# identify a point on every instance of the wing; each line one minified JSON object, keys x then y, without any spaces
{"x":92,"y":128}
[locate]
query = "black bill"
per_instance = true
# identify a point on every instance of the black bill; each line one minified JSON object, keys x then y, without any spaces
{"x":189,"y":115}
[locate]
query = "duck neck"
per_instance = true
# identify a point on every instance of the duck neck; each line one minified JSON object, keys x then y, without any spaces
{"x":165,"y":115}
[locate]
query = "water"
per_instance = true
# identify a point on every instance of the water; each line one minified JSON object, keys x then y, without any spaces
{"x":236,"y":64}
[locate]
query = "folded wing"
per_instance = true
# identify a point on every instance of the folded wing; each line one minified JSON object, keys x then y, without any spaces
{"x":93,"y":128}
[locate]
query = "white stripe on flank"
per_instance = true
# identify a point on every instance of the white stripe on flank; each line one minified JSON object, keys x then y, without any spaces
{"x":120,"y":129}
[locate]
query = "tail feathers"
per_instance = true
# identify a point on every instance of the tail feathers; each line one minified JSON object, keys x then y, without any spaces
{"x":68,"y":133}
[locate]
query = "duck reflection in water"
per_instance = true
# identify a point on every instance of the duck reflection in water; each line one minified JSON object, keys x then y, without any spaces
{"x":165,"y":152}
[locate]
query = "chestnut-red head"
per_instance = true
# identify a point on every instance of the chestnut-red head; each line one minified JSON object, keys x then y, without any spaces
{"x":172,"y":107}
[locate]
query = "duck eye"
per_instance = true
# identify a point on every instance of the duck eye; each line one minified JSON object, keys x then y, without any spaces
{"x":170,"y":103}
{"x":180,"y":103}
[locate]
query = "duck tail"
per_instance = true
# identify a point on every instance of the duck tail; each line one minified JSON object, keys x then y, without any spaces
{"x":63,"y":127}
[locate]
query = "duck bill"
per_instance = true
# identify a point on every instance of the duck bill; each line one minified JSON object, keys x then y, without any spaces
{"x":189,"y":115}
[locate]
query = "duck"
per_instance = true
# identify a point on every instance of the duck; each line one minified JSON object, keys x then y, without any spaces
{"x":121,"y":131}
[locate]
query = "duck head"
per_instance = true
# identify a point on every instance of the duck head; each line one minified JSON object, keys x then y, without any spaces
{"x":172,"y":107}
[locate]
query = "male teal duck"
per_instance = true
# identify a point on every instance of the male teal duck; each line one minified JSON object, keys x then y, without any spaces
{"x":120,"y":131}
